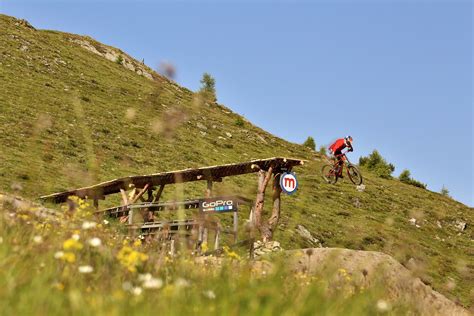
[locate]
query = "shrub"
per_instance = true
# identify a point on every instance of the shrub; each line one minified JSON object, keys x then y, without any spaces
{"x":405,"y":177}
{"x":208,"y":88}
{"x":376,"y":163}
{"x":119,"y":59}
{"x":239,"y":122}
{"x":309,"y":142}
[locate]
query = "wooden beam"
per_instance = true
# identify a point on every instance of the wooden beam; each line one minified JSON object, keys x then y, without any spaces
{"x":158,"y":193}
{"x":139,"y":194}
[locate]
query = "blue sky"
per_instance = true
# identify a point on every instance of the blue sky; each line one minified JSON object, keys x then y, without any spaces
{"x":396,"y":75}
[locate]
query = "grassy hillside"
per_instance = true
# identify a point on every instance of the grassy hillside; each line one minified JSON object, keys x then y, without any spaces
{"x":70,"y":117}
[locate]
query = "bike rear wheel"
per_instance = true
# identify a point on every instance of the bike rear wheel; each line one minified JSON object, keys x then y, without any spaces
{"x":329,"y":175}
{"x":354,"y":174}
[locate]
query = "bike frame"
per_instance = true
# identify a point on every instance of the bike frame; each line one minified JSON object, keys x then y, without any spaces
{"x":346,"y":160}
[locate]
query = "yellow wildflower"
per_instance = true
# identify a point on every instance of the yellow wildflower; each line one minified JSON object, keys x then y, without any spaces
{"x":69,"y":257}
{"x":59,"y":286}
{"x":130,"y":258}
{"x":72,"y":244}
{"x":231,"y":254}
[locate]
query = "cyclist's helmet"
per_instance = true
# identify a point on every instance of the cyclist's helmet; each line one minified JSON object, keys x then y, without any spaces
{"x":348,"y":140}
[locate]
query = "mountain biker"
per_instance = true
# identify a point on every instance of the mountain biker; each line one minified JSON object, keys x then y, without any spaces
{"x":336,"y":149}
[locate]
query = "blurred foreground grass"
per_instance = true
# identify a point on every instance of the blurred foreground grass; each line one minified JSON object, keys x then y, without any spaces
{"x":75,"y":265}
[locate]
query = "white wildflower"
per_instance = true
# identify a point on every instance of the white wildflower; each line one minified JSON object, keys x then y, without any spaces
{"x":106,"y":222}
{"x":85,"y":269}
{"x":88,"y":225}
{"x":144,"y":277}
{"x":180,"y":282}
{"x":137,"y":291}
{"x":210,"y":294}
{"x":127,"y":286}
{"x":59,"y":254}
{"x":95,"y":242}
{"x":382,"y":306}
{"x":38,"y":239}
{"x":153,"y":283}
{"x":76,"y":237}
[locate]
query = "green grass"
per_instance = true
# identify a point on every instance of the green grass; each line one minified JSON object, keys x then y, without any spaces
{"x":68,"y":125}
{"x":37,"y":281}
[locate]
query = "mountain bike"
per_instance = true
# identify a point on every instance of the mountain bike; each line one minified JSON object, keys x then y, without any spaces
{"x":332,"y":170}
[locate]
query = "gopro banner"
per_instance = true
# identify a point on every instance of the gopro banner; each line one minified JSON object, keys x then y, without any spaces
{"x":218,"y":204}
{"x":288,"y":182}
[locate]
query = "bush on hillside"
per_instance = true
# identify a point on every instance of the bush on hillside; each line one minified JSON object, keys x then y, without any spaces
{"x":119,"y":59}
{"x":405,"y":177}
{"x":323,"y":151}
{"x":310,"y":143}
{"x":376,"y":163}
{"x":239,"y":122}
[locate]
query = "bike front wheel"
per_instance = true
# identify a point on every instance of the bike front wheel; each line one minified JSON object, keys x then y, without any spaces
{"x":329,"y":175}
{"x":354,"y":174}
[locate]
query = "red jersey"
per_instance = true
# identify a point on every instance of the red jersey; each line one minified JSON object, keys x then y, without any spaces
{"x":339,"y":145}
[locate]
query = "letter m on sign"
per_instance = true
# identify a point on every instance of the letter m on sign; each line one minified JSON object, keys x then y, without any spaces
{"x":289,"y":183}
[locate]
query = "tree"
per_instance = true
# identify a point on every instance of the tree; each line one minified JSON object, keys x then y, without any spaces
{"x":444,"y":191}
{"x":376,"y":163}
{"x":309,"y":142}
{"x":208,"y":88}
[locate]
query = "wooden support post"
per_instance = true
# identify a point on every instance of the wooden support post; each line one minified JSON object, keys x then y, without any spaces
{"x":216,"y":241}
{"x":263,"y":179}
{"x":209,"y":189}
{"x":273,"y":221}
{"x":124,"y":197}
{"x":206,"y":230}
{"x":172,"y":248}
{"x":130,"y":216}
{"x":149,"y":192}
{"x":158,"y":193}
{"x":96,"y":203}
{"x":236,"y":226}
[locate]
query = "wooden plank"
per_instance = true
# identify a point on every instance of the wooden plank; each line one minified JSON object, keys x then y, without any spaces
{"x":213,"y":173}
